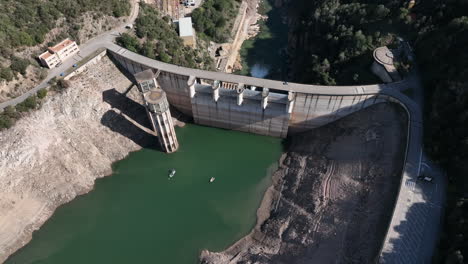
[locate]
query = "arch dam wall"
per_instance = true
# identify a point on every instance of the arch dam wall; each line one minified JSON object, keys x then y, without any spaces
{"x":253,"y":105}
{"x":277,"y":109}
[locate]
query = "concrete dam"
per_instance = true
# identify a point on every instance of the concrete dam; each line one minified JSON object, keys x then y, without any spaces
{"x":279,"y":109}
{"x":254,"y":105}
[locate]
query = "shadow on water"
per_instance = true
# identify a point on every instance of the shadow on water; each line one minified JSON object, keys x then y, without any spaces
{"x":265,"y":54}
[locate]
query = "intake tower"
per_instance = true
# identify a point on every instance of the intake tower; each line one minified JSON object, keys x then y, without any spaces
{"x":158,"y":111}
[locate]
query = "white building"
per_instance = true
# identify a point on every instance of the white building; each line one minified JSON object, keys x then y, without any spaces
{"x":186,"y":31}
{"x":59,"y":53}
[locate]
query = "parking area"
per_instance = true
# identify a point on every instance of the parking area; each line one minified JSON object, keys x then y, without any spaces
{"x":187,"y":6}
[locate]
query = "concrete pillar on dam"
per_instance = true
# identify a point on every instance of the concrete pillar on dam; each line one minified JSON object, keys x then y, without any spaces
{"x":265,"y":94}
{"x":191,"y":84}
{"x":158,"y":111}
{"x":291,"y":100}
{"x":240,"y":93}
{"x":215,"y":87}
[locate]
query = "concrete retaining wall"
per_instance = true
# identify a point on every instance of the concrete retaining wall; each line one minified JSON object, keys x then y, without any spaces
{"x":83,"y":67}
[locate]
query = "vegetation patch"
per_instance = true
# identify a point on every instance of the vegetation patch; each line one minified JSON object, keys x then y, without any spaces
{"x":157,"y":38}
{"x":214,"y":19}
{"x":26,"y":22}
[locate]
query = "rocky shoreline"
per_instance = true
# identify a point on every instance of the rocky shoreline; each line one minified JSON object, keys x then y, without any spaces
{"x":332,"y":197}
{"x":57,"y":152}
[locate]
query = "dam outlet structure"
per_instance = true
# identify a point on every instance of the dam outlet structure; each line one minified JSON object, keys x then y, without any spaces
{"x":157,"y":108}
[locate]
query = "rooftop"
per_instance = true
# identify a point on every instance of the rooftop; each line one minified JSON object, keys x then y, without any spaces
{"x":383,"y":55}
{"x":61,"y":45}
{"x":144,"y":75}
{"x":154,"y":96}
{"x":185,"y":27}
{"x":45,"y":55}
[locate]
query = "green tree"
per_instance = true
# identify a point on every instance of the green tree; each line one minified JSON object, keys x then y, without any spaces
{"x":42,"y":93}
{"x":128,"y":42}
{"x":28,"y":104}
{"x":19,"y":65}
{"x":148,"y":50}
{"x":11,"y":112}
{"x":6,"y":74}
{"x":5,"y":121}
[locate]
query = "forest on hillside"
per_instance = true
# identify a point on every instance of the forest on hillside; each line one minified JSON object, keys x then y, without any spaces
{"x":331,"y":41}
{"x":214,"y":19}
{"x":156,"y":37}
{"x":25,"y":23}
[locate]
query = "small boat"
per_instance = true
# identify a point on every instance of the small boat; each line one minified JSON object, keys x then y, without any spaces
{"x":212,"y":179}
{"x":172,"y":173}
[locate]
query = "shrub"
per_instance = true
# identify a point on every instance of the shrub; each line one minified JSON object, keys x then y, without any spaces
{"x":19,"y":65}
{"x":128,"y":42}
{"x":6,"y":74}
{"x":11,"y":112}
{"x":42,"y":93}
{"x":5,"y":121}
{"x":28,"y":104}
{"x":64,"y":83}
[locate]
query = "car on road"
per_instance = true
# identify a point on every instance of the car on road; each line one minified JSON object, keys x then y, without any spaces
{"x":189,"y":3}
{"x":425,"y":178}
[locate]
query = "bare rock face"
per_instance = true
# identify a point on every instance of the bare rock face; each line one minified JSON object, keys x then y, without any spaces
{"x":333,"y":196}
{"x":55,"y":153}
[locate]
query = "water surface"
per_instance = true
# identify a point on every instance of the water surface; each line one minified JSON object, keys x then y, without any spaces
{"x":138,"y":215}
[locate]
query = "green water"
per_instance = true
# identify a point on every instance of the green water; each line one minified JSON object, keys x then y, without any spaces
{"x":138,"y":215}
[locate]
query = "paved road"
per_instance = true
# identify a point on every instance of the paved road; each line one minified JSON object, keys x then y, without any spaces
{"x":86,"y":49}
{"x":415,"y":228}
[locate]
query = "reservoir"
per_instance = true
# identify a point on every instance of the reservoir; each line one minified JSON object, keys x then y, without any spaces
{"x":139,"y":215}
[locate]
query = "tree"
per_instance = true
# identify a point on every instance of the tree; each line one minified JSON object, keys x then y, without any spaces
{"x":28,"y":104}
{"x":164,"y":57}
{"x":6,"y":74}
{"x":128,"y":42}
{"x":11,"y":112}
{"x":42,"y":93}
{"x":5,"y":121}
{"x":19,"y":65}
{"x":148,"y":50}
{"x":381,"y":11}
